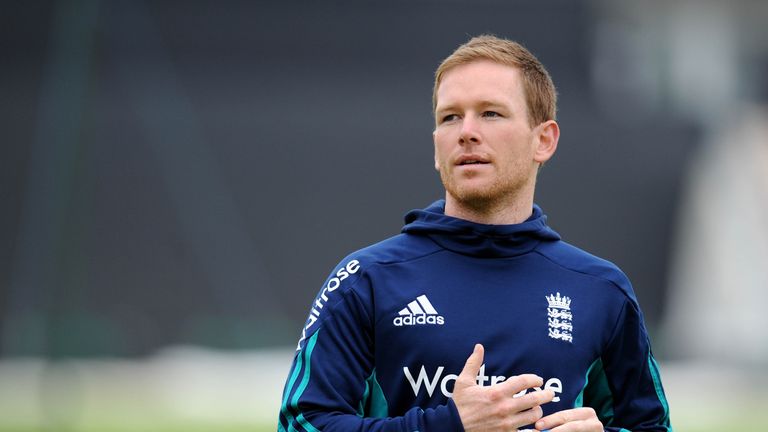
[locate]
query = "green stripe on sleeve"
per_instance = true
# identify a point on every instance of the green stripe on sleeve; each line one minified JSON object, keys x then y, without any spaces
{"x":363,"y":400}
{"x":596,"y":393}
{"x":373,"y":403}
{"x":654,"y":368}
{"x":289,"y":386}
{"x":304,"y":359}
{"x":303,"y":385}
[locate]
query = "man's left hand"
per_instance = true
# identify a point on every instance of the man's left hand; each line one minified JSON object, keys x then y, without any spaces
{"x":572,"y":420}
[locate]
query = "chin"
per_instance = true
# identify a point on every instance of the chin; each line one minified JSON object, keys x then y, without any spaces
{"x":475,"y":196}
{"x":480,"y":191}
{"x":480,"y":194}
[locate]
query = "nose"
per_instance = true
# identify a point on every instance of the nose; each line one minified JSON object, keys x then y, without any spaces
{"x":469,"y":131}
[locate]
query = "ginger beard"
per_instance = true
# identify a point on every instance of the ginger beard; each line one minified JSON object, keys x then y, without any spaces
{"x":482,"y":191}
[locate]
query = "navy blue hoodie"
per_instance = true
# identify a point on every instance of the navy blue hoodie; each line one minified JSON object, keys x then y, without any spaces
{"x":394,"y":323}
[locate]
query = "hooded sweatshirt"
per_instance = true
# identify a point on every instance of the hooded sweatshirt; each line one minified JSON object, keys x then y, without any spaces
{"x":393,"y":325}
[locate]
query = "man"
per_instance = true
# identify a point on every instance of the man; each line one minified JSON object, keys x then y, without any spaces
{"x":556,"y":336}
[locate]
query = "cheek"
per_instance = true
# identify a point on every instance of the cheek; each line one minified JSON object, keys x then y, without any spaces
{"x":442,"y":149}
{"x":441,"y":162}
{"x":518,"y":147}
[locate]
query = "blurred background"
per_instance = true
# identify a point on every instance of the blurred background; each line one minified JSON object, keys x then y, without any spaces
{"x":178,"y":177}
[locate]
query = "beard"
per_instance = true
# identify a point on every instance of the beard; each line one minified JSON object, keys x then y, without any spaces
{"x":484,"y":196}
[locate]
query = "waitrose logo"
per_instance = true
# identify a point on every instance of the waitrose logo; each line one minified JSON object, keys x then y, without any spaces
{"x":426,"y":382}
{"x":344,"y":272}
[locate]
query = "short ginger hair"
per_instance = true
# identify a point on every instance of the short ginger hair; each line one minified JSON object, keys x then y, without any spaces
{"x":538,"y":88}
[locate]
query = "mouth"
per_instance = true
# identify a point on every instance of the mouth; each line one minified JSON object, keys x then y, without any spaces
{"x":471,"y":160}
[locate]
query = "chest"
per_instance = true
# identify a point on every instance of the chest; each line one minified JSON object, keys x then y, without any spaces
{"x":528,"y":316}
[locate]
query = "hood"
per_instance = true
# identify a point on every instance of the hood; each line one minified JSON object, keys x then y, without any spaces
{"x":470,"y":238}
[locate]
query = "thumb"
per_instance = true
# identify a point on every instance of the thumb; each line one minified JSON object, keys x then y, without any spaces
{"x":472,"y":366}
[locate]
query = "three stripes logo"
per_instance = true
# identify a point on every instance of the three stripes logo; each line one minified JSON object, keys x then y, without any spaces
{"x":418,"y":312}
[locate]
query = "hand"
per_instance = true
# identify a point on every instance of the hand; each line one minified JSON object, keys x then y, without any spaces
{"x":572,"y":420}
{"x":494,"y":408}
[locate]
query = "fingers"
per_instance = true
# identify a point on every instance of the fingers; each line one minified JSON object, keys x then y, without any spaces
{"x":532,"y":400}
{"x":572,"y":420}
{"x":473,"y":364}
{"x":514,"y":384}
{"x":526,"y":417}
{"x":505,"y":406}
{"x":526,"y":409}
{"x":593,"y":425}
{"x":518,"y":383}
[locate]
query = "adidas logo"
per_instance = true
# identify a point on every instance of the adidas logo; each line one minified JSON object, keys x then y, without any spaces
{"x":418,"y":312}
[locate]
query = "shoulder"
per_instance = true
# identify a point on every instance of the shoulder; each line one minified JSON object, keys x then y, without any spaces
{"x":397,"y":249}
{"x":350,"y":281}
{"x":358,"y":266}
{"x":579,"y":261}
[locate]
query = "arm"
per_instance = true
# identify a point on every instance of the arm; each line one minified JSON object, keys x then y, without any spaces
{"x":632,"y":377}
{"x":623,"y":390}
{"x":333,"y":369}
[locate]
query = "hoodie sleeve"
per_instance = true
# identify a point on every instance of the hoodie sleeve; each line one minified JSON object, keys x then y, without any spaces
{"x":332,"y":383}
{"x":624,"y":386}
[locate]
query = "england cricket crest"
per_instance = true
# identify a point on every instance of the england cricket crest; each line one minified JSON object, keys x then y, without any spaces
{"x":560,"y":318}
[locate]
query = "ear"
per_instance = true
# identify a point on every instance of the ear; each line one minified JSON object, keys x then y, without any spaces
{"x":547,"y":135}
{"x":434,"y":141}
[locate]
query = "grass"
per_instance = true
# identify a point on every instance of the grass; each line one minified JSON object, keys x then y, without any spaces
{"x":202,"y":391}
{"x":755,"y":423}
{"x":137,"y":427}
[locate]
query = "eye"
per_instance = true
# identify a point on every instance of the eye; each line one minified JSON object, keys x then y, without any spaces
{"x":491,"y":114}
{"x":448,"y":118}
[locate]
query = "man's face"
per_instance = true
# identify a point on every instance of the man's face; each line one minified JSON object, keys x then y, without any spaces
{"x":485,"y":149}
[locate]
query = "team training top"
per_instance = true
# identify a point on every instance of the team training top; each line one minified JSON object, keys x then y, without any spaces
{"x":393,"y":325}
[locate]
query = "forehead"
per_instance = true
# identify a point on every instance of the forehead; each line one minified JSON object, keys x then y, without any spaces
{"x":481,"y":80}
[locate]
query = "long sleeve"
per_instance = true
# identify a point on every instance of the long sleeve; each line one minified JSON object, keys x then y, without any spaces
{"x":624,"y":385}
{"x":332,"y":383}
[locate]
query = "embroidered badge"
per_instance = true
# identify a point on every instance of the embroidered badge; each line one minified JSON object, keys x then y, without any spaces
{"x":559,"y":317}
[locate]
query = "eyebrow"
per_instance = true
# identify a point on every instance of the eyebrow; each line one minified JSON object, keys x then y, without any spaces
{"x":483,"y":104}
{"x":487,"y":103}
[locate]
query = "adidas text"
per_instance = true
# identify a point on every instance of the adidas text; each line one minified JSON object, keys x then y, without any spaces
{"x":418,"y":319}
{"x":418,"y":312}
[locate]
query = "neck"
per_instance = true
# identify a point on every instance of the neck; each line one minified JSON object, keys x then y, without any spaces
{"x":508,"y":211}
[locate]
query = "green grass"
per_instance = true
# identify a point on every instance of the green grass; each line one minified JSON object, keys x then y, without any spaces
{"x":755,"y":424}
{"x":177,"y":427}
